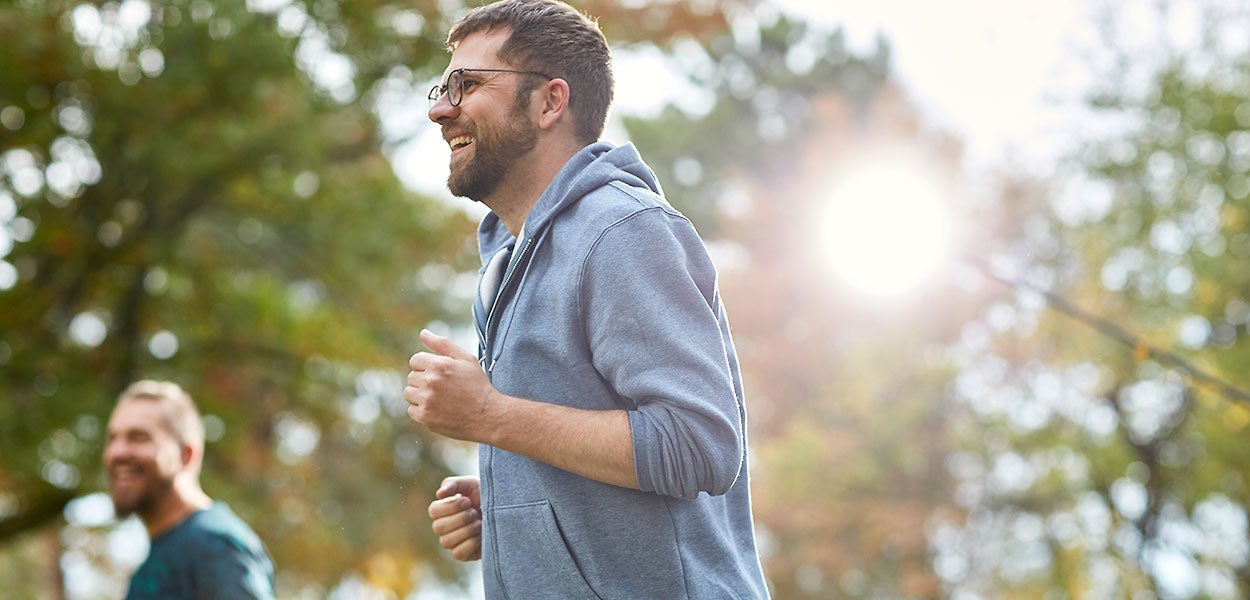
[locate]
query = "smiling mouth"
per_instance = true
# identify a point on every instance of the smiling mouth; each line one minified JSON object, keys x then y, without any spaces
{"x":124,"y":475}
{"x":459,"y":142}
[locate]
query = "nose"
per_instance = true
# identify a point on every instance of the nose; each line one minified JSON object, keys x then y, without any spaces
{"x":442,"y":109}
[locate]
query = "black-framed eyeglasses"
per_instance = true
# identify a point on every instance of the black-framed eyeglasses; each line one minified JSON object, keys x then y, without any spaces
{"x":454,"y":88}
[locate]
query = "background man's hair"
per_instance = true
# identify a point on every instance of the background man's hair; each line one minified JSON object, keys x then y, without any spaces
{"x":556,"y":39}
{"x":182,"y":418}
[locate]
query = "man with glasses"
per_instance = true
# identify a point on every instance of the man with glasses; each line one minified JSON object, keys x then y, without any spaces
{"x":605,"y":392}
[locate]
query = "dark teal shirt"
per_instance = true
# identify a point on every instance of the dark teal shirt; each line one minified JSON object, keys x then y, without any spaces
{"x":212,"y":554}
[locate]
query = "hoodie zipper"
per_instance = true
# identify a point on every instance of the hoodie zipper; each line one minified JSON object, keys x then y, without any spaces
{"x":514,"y":265}
{"x":488,"y":363}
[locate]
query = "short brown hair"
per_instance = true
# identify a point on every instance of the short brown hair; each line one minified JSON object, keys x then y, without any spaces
{"x":182,"y":418}
{"x":556,"y":39}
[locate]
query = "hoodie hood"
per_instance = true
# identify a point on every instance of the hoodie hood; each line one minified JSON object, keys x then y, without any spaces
{"x":591,"y":168}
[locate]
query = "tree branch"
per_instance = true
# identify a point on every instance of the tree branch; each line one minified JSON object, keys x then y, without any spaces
{"x":1119,"y":334}
{"x":46,"y":506}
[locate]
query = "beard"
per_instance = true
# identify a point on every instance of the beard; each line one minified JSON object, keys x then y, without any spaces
{"x":495,"y":151}
{"x":140,"y":499}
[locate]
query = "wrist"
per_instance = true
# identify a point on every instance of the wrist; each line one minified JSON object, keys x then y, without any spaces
{"x":492,"y":418}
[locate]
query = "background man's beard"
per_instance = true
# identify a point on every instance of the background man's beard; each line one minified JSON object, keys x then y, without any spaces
{"x":492,"y":157}
{"x":127,"y":505}
{"x":124,"y":507}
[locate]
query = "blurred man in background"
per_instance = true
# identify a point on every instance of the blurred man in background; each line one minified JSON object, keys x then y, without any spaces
{"x":605,"y":392}
{"x":199,"y":548}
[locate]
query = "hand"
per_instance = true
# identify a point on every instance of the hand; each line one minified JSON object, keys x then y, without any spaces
{"x":447,"y":390}
{"x":457,"y":516}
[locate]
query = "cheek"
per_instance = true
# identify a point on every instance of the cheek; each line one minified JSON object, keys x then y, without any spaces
{"x":169,"y":460}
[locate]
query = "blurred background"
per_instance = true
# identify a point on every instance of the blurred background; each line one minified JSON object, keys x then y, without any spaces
{"x":988,"y":266}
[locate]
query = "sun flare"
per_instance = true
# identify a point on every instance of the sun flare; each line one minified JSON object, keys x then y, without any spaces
{"x":887,"y":229}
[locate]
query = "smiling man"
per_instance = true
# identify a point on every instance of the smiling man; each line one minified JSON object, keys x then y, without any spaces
{"x":605,"y":391}
{"x":199,"y":548}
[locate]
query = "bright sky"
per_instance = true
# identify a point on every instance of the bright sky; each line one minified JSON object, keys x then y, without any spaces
{"x":1000,"y":76}
{"x":979,"y":68}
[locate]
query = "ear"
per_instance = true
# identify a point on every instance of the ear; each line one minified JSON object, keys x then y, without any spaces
{"x":554,"y":103}
{"x":188,"y":455}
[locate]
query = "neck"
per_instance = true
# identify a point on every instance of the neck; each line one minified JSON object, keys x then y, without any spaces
{"x":520,"y":189}
{"x":185,"y":498}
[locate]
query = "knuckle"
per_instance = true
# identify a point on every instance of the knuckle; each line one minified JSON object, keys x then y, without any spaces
{"x":441,"y":367}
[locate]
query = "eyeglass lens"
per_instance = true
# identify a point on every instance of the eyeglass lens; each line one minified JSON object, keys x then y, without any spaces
{"x":454,"y":88}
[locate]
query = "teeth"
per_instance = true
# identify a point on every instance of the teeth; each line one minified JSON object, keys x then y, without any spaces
{"x":459,"y":142}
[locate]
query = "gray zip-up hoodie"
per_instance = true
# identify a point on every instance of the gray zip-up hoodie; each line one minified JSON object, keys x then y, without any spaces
{"x":611,"y":302}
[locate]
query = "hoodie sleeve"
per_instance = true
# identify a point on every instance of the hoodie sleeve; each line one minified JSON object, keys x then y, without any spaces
{"x":652,"y":317}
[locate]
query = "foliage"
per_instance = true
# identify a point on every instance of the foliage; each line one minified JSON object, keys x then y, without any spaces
{"x":1111,"y":471}
{"x":767,"y":82}
{"x":188,"y":203}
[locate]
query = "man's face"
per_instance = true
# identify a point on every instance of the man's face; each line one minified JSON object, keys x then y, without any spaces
{"x":141,"y":457}
{"x":490,"y":131}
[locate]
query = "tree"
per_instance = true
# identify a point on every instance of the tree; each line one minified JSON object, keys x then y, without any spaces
{"x":1119,"y":471}
{"x":188,"y":203}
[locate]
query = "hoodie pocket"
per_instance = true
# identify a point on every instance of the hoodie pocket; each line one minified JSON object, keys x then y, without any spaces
{"x":533,"y":560}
